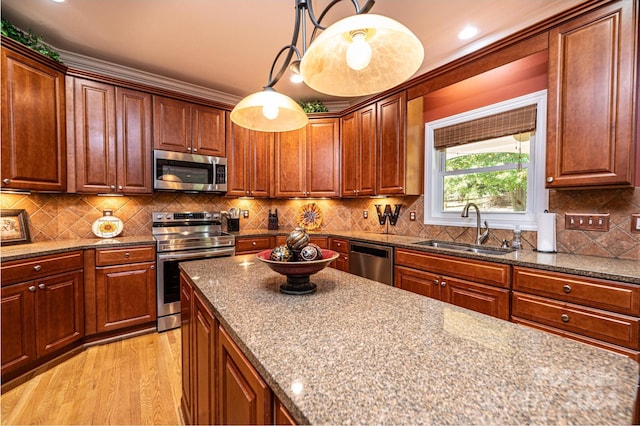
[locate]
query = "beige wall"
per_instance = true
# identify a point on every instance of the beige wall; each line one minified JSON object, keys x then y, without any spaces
{"x":57,"y":217}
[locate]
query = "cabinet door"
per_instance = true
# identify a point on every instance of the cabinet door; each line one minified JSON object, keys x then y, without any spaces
{"x":420,"y":282}
{"x":367,"y":151}
{"x":323,"y":158}
{"x":281,"y":414}
{"x":204,"y":364}
{"x":350,"y":160}
{"x":238,"y":161}
{"x":126,"y":296}
{"x":186,"y":327}
{"x":591,"y":98}
{"x":171,"y":124}
{"x":18,"y":326}
{"x":249,"y":162}
{"x":33,"y":125}
{"x":260,"y":164}
{"x":95,"y":136}
{"x":391,"y":116}
{"x":290,"y":164}
{"x":59,"y":311}
{"x":134,"y":146}
{"x":481,"y":298}
{"x":208,"y":136}
{"x":243,"y":397}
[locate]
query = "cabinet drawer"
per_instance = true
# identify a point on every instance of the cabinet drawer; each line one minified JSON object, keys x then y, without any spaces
{"x":613,"y":328}
{"x":341,"y":246}
{"x":467,"y":269}
{"x":125,"y":255}
{"x":29,"y":269}
{"x":252,"y":245}
{"x":617,"y":297}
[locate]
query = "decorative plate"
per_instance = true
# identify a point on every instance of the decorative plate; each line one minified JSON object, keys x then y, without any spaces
{"x":310,"y":217}
{"x":107,"y":226}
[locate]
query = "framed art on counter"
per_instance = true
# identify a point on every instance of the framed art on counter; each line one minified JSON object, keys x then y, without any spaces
{"x":14,"y":227}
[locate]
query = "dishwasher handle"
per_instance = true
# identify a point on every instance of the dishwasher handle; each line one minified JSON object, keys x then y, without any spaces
{"x":376,"y":251}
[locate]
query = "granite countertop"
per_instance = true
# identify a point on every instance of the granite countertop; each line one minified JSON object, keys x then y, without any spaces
{"x":358,"y":351}
{"x":590,"y":266}
{"x":24,"y":251}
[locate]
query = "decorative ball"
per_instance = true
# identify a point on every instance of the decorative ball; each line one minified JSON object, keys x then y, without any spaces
{"x":297,"y":239}
{"x":311,"y":252}
{"x":281,"y":254}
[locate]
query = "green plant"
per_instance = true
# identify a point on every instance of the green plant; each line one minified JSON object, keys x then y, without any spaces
{"x":313,"y":106}
{"x":31,"y":40}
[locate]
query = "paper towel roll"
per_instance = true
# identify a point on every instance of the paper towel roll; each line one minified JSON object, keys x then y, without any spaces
{"x":546,"y":232}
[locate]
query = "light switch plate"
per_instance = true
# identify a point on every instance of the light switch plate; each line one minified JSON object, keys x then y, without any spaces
{"x":587,"y":221}
{"x":245,"y":213}
{"x":365,"y":214}
{"x":412,"y":215}
{"x":635,"y":223}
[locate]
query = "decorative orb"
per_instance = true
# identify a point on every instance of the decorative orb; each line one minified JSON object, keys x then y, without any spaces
{"x":281,"y":254}
{"x":310,"y":252}
{"x":297,"y":239}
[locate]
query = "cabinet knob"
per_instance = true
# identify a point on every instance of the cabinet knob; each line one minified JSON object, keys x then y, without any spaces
{"x":195,"y":150}
{"x":32,"y":288}
{"x":41,"y":286}
{"x":153,"y":267}
{"x":253,"y":243}
{"x":549,"y":179}
{"x":120,"y":187}
{"x":188,"y":148}
{"x":443,"y":283}
{"x":127,"y":255}
{"x":566,"y":288}
{"x":436,"y":282}
{"x":564,"y":318}
{"x":113,"y":187}
{"x":37,"y":267}
{"x":6,"y":181}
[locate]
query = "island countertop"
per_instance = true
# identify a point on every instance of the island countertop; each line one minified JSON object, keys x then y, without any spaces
{"x":358,"y":351}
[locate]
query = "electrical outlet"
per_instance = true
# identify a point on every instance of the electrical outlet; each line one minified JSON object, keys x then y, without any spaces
{"x":365,"y":214}
{"x":635,"y":223}
{"x":245,"y":213}
{"x":412,"y":215}
{"x":587,"y":221}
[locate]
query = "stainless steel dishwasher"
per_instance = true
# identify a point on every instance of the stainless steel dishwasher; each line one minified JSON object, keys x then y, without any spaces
{"x":371,"y":261}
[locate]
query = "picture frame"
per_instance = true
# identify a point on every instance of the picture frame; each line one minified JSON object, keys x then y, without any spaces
{"x":14,"y":227}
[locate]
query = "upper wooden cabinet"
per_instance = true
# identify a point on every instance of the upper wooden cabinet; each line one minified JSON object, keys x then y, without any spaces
{"x":359,"y":152}
{"x":307,"y":161}
{"x":112,"y":127}
{"x":590,"y":137}
{"x":33,"y":120}
{"x":249,"y":162}
{"x":185,"y":127}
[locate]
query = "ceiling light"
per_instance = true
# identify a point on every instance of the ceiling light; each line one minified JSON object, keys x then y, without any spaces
{"x":468,"y":32}
{"x":58,"y":1}
{"x":357,"y":56}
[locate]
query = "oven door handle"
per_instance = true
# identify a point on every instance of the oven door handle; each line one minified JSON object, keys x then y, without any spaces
{"x":196,"y":255}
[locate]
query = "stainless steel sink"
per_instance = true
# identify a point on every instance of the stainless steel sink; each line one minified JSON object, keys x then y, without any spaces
{"x":469,"y":248}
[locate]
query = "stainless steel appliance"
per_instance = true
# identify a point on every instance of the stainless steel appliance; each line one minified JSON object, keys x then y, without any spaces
{"x":371,"y":261}
{"x":177,"y":171}
{"x":183,"y":236}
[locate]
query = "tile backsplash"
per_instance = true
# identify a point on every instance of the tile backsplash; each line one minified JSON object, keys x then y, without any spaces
{"x":68,"y":216}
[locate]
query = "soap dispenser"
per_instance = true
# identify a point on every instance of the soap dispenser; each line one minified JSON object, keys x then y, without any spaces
{"x":516,"y":242}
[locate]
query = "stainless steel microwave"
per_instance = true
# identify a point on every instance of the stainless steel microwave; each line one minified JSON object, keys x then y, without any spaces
{"x":177,"y":171}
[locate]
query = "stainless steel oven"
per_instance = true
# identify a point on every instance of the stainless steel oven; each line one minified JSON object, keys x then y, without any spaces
{"x":182,"y":237}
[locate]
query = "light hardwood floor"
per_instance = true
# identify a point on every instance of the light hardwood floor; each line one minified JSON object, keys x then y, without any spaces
{"x":129,"y":382}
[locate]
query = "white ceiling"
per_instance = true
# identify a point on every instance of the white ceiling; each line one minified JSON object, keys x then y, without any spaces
{"x":229,"y":45}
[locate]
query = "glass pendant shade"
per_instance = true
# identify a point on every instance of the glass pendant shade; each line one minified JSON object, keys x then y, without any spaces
{"x":396,"y":54}
{"x":269,"y":111}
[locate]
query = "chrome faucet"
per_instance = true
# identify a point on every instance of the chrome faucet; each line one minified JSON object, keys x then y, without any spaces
{"x":480,"y":238}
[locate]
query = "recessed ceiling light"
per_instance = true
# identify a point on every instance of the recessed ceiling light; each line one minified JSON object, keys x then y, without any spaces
{"x":467,"y":32}
{"x":58,"y":1}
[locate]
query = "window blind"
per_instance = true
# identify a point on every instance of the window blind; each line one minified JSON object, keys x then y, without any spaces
{"x":507,"y":123}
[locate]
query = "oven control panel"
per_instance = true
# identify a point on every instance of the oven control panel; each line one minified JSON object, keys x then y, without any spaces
{"x":170,"y":217}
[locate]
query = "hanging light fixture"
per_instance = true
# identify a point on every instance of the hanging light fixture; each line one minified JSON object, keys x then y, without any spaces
{"x":357,"y":56}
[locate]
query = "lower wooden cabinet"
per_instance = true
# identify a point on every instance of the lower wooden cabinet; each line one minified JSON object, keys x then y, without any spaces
{"x":125,"y":287}
{"x":446,"y":278}
{"x":204,"y":364}
{"x":280,"y":413}
{"x":249,"y":245}
{"x":342,"y":248}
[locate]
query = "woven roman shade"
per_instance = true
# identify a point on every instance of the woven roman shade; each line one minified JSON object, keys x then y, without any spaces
{"x":507,"y":123}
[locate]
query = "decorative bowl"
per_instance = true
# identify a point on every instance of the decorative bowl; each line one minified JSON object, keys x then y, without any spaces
{"x":298,"y":273}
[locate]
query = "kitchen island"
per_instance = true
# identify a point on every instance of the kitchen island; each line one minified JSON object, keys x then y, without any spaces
{"x":358,"y":351}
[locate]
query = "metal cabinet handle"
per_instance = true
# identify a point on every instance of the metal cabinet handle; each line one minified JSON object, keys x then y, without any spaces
{"x":253,"y":243}
{"x":41,"y":286}
{"x":37,"y":267}
{"x":153,"y":267}
{"x":6,"y":181}
{"x":443,"y":283}
{"x":549,"y":179}
{"x":564,"y":318}
{"x":120,"y":187}
{"x":188,"y":148}
{"x":113,"y":187}
{"x":127,"y":255}
{"x":195,"y":150}
{"x":436,"y":282}
{"x":566,"y":288}
{"x":32,"y":288}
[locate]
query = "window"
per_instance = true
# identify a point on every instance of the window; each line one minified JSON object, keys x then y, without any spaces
{"x":492,"y":156}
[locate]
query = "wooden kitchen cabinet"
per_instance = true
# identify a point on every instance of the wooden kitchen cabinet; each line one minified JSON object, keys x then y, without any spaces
{"x":342,"y":248}
{"x":42,"y":310}
{"x":479,"y":286}
{"x":243,"y":396}
{"x":125,"y":283}
{"x":186,"y":127}
{"x":248,"y":245}
{"x":307,"y":161}
{"x":33,"y":146}
{"x":591,"y":92}
{"x":186,"y":353}
{"x":321,"y":242}
{"x":112,"y":139}
{"x":358,"y":150}
{"x":249,"y":162}
{"x":600,"y":312}
{"x":281,"y":415}
{"x":204,"y":364}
